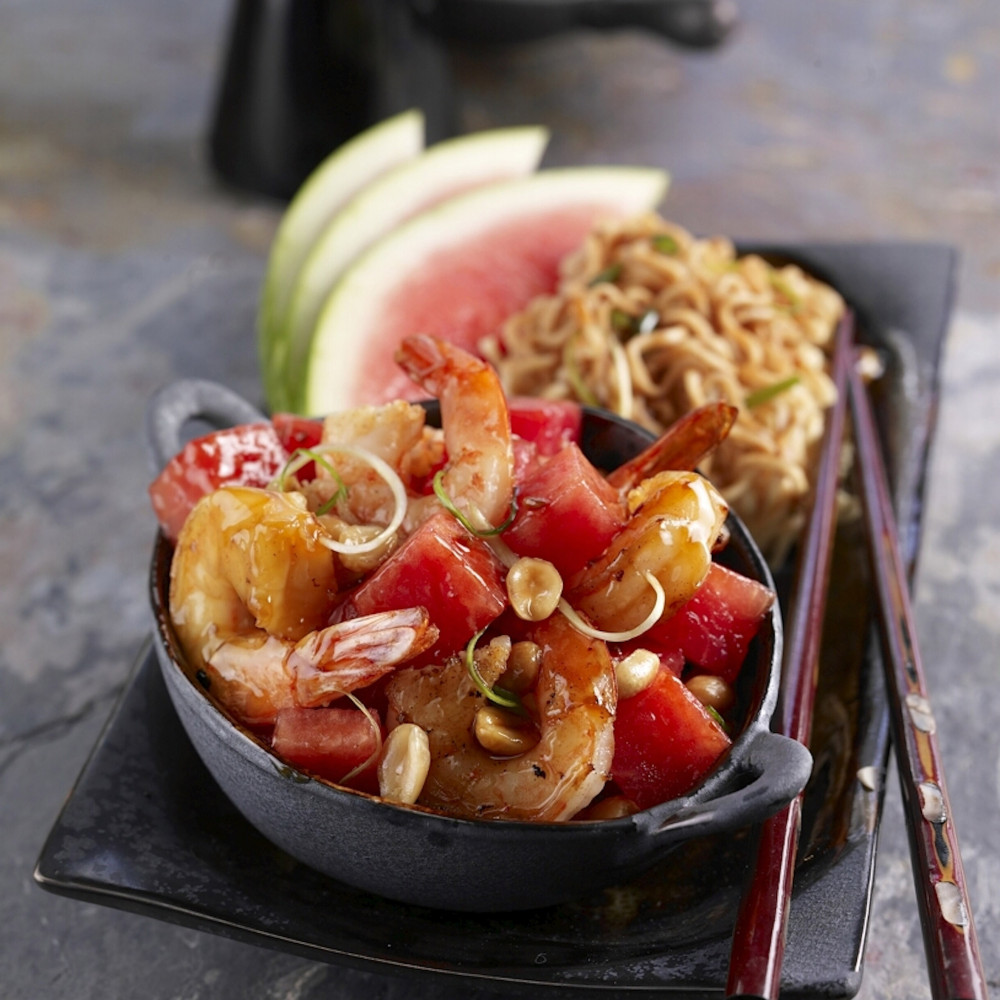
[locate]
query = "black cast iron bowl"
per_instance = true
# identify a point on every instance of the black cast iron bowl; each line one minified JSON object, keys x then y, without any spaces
{"x":416,"y":856}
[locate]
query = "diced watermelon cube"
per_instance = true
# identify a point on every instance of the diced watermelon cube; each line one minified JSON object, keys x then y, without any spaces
{"x":715,"y":627}
{"x":329,"y":742}
{"x":665,"y":742}
{"x":445,"y":569}
{"x":567,"y":511}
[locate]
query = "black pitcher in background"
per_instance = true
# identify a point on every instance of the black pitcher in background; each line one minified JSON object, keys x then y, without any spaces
{"x":302,"y":76}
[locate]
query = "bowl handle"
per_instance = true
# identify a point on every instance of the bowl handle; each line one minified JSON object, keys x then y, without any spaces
{"x":177,"y":404}
{"x":778,"y":769}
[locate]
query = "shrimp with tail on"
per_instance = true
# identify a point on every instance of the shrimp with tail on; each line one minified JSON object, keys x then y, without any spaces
{"x":251,"y":587}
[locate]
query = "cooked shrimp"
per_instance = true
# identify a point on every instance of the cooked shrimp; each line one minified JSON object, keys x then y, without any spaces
{"x":246,"y":557}
{"x":576,"y":697}
{"x":364,"y":465}
{"x":394,"y":433}
{"x":479,"y":476}
{"x":251,"y":588}
{"x":391,"y":431}
{"x":682,"y":445}
{"x":675,"y":521}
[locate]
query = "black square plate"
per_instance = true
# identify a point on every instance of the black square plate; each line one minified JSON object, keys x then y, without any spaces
{"x":146,"y":829}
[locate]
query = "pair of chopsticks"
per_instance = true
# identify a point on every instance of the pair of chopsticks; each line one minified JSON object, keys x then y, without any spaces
{"x":759,"y":938}
{"x":950,"y":941}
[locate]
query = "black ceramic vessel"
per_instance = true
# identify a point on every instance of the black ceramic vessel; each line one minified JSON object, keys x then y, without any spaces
{"x":417,"y":856}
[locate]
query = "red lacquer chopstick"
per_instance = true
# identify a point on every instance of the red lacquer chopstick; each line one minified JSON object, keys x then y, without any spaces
{"x":950,"y":942}
{"x":758,"y":945}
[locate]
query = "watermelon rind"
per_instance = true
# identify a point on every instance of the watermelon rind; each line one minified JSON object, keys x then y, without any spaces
{"x":343,"y":173}
{"x":441,"y":171}
{"x":351,"y":316}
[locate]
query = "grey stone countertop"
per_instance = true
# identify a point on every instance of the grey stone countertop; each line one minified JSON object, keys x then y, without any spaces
{"x":125,"y":264}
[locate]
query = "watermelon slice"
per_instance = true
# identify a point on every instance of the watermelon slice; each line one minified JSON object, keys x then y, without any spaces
{"x":327,"y":189}
{"x":456,"y":271}
{"x":442,"y":171}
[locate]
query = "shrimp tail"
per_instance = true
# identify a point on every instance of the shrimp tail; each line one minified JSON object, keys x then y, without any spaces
{"x":680,"y":447}
{"x":433,"y":363}
{"x":422,"y":358}
{"x":355,"y":653}
{"x":675,"y":522}
{"x":475,"y":419}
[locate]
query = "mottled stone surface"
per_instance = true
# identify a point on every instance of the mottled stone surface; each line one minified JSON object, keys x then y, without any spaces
{"x":124,"y":264}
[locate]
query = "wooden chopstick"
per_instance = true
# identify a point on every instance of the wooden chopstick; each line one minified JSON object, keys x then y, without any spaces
{"x":758,"y":945}
{"x":950,"y":942}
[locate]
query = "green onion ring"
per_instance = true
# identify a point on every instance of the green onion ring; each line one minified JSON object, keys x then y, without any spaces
{"x":449,"y":505}
{"x":498,"y":695}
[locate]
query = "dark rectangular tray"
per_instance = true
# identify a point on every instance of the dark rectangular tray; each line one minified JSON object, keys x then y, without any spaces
{"x":146,"y":829}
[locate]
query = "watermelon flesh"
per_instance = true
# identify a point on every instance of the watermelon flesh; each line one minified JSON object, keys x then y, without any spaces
{"x":445,"y":170}
{"x":463,"y":296}
{"x":456,"y":271}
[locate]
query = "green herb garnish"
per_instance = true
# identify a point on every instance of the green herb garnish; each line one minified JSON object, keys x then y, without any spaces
{"x":449,"y":505}
{"x":766,"y":393}
{"x":609,"y":275}
{"x":665,"y":244}
{"x":626,"y":325}
{"x":498,"y":695}
{"x":782,"y":287}
{"x":720,"y":721}
{"x":622,"y":323}
{"x":301,"y":457}
{"x":582,"y":391}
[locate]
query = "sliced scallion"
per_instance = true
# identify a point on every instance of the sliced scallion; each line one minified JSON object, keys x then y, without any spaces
{"x":664,"y":243}
{"x":498,"y":695}
{"x":626,"y":325}
{"x":384,"y":471}
{"x":644,"y":626}
{"x":302,"y":457}
{"x":581,"y":390}
{"x":622,"y":323}
{"x":608,"y":275}
{"x":376,"y":729}
{"x":783,"y":288}
{"x":449,"y":505}
{"x":766,"y":393}
{"x":648,"y":321}
{"x":719,"y":720}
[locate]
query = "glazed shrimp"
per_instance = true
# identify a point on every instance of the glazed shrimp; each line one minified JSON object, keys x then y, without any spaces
{"x":683,"y":445}
{"x":251,"y":588}
{"x":576,"y":698}
{"x":675,"y":521}
{"x":367,"y":460}
{"x":396,"y":434}
{"x":479,"y":477}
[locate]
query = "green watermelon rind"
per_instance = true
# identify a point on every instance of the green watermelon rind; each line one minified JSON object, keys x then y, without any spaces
{"x":338,"y":178}
{"x":350,"y":315}
{"x":453,"y":165}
